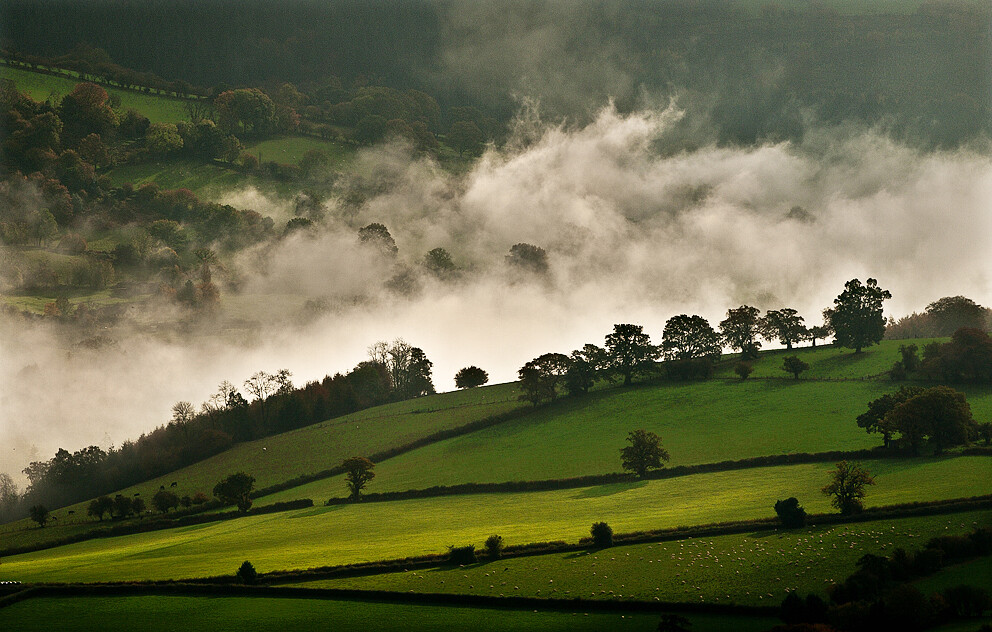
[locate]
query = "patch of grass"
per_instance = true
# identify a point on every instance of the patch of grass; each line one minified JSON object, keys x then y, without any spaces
{"x":755,"y":569}
{"x":321,"y":536}
{"x":205,"y":180}
{"x":290,"y":149}
{"x":39,"y":86}
{"x":235,"y":614}
{"x":35,"y":301}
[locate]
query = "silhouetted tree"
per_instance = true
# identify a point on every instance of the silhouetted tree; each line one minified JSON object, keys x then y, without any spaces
{"x":689,"y":337}
{"x":602,"y":535}
{"x":784,"y":325}
{"x":740,"y":330}
{"x":470,"y":377}
{"x":939,"y":414}
{"x":98,"y":507}
{"x":377,"y":235}
{"x":871,"y":420}
{"x":494,"y":547}
{"x":528,"y":257}
{"x":40,"y":514}
{"x":791,"y":513}
{"x":247,"y":573}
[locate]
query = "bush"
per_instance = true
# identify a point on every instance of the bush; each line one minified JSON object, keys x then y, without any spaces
{"x":494,"y":547}
{"x":967,"y":601}
{"x":792,"y":515}
{"x":743,"y":370}
{"x":602,"y":535}
{"x":247,"y":573}
{"x":462,"y":554}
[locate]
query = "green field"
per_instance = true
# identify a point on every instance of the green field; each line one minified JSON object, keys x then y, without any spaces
{"x":205,"y":180}
{"x":39,"y":86}
{"x":341,"y":534}
{"x":290,"y":149}
{"x":755,"y":569}
{"x":236,"y":614}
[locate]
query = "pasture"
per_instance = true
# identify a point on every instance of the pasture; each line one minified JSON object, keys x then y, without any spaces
{"x":342,"y":534}
{"x":235,"y":614}
{"x":754,"y":569}
{"x":290,"y":149}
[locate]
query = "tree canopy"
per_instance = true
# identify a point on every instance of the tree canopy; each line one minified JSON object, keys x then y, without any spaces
{"x":359,"y":471}
{"x":847,"y":487}
{"x":740,"y":330}
{"x":689,"y":337}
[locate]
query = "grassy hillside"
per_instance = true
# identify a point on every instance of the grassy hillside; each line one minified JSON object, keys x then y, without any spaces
{"x":39,"y":86}
{"x":366,"y":532}
{"x":976,"y":572}
{"x":318,"y":447}
{"x":750,"y":569}
{"x":233,"y":614}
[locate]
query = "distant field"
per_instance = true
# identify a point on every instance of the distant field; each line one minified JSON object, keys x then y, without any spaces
{"x":290,"y":149}
{"x":755,"y":569}
{"x":234,"y":614}
{"x":366,"y":532}
{"x":39,"y":86}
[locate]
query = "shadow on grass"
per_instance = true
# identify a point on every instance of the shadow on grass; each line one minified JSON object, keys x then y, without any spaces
{"x":609,"y":490}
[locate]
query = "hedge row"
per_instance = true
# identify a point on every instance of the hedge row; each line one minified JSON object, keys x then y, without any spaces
{"x":159,"y":523}
{"x":388,"y":596}
{"x":617,"y":477}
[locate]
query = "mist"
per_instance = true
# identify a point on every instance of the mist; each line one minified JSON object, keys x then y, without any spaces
{"x":634,"y":232}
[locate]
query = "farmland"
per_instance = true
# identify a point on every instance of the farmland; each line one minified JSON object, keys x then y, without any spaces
{"x":367,"y":532}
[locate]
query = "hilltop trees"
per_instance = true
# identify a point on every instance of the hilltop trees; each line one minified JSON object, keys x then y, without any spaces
{"x":644,"y":453}
{"x":359,"y":472}
{"x":629,"y":352}
{"x":408,"y":368}
{"x":236,"y":490}
{"x":40,"y":514}
{"x":847,"y":487}
{"x":856,"y":317}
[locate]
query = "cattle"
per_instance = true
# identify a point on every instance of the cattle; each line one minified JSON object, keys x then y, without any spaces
{"x":173,"y":484}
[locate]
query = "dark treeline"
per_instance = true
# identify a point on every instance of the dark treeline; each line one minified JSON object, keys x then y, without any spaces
{"x":757,"y":72}
{"x":396,"y":371}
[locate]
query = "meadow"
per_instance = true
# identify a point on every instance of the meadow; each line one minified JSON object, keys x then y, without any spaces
{"x":40,"y":86}
{"x":291,"y":149}
{"x":362,"y":532}
{"x":235,"y":614}
{"x":753,"y":569}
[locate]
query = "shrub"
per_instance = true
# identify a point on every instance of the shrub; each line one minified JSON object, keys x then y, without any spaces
{"x":743,"y":370}
{"x":791,"y":513}
{"x":602,"y":535}
{"x":494,"y":547}
{"x":247,"y":573}
{"x":462,"y":554}
{"x":967,"y":601}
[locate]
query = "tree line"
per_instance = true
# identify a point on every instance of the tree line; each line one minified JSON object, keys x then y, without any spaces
{"x":690,"y":345}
